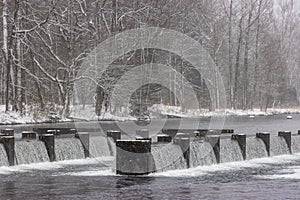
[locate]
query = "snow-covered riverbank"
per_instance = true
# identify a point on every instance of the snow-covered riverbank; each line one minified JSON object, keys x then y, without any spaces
{"x":159,"y":109}
{"x":156,"y":111}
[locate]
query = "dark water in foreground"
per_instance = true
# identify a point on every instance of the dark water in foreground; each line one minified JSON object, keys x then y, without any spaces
{"x":265,"y":178}
{"x":268,"y":178}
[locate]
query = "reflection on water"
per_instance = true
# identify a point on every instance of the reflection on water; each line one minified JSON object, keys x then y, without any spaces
{"x":241,"y":180}
{"x":134,"y":188}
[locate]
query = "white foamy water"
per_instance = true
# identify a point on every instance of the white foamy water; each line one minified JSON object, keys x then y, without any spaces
{"x":108,"y":172}
{"x":99,"y":146}
{"x":292,"y":172}
{"x":68,"y":149}
{"x":278,"y":146}
{"x":230,"y":151}
{"x":32,"y":151}
{"x":230,"y":166}
{"x":201,"y":153}
{"x":112,"y":146}
{"x":3,"y":156}
{"x":168,"y":157}
{"x":255,"y":148}
{"x":52,"y":166}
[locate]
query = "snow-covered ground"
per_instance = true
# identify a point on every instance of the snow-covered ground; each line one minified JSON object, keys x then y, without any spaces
{"x":13,"y":117}
{"x":156,"y":111}
{"x":88,"y":113}
{"x":160,"y":109}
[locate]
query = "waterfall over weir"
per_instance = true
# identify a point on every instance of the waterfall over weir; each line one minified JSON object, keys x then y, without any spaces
{"x":168,"y":157}
{"x":99,"y":146}
{"x":112,"y":146}
{"x":230,"y":151}
{"x":296,"y":144}
{"x":3,"y":156}
{"x":201,"y":153}
{"x":68,"y":149}
{"x":278,"y":146}
{"x":33,"y":151}
{"x":255,"y":148}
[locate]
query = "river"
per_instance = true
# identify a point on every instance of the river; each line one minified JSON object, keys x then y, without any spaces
{"x":264,"y":178}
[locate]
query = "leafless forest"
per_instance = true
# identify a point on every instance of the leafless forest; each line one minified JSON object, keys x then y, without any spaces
{"x":254,"y":43}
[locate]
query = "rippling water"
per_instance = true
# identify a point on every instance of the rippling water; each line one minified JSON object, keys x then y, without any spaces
{"x":262,"y":178}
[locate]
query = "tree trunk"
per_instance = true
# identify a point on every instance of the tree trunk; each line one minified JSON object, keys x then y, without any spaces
{"x":6,"y":53}
{"x":245,"y":74}
{"x":237,"y":64}
{"x":230,"y":56}
{"x":256,"y":57}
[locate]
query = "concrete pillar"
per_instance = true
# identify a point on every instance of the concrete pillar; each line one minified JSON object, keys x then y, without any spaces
{"x":142,"y":134}
{"x":9,"y":145}
{"x":200,"y":133}
{"x":133,"y":157}
{"x":28,"y":135}
{"x":214,"y":141}
{"x":241,"y":139}
{"x":265,"y":136}
{"x":55,"y":132}
{"x":114,"y":134}
{"x":40,"y":131}
{"x":141,"y":138}
{"x":287,"y":135}
{"x":182,"y":135}
{"x":164,"y":138}
{"x":66,"y":131}
{"x":48,"y":139}
{"x":73,"y":131}
{"x":84,"y":138}
{"x":58,"y":131}
{"x":214,"y":132}
{"x":7,"y":132}
{"x":227,"y":131}
{"x":171,"y":132}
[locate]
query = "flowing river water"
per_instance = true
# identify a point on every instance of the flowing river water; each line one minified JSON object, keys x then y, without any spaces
{"x":276,"y":177}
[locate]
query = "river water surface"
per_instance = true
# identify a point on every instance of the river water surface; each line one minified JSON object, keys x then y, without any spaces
{"x":275,"y":177}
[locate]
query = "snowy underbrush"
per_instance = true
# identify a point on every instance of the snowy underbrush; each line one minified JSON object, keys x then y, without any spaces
{"x":87,"y":113}
{"x":160,"y":109}
{"x":13,"y":117}
{"x":32,"y":114}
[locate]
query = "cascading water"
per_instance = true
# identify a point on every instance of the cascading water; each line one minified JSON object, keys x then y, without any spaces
{"x":168,"y":157}
{"x":255,"y":148}
{"x":278,"y":146}
{"x":230,"y":151}
{"x":68,"y":149}
{"x":296,"y":144}
{"x":201,"y":153}
{"x":112,"y":146}
{"x":99,"y":146}
{"x":33,"y":151}
{"x":3,"y":156}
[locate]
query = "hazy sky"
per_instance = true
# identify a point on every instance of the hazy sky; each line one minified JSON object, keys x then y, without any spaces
{"x":277,"y":8}
{"x":297,"y":5}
